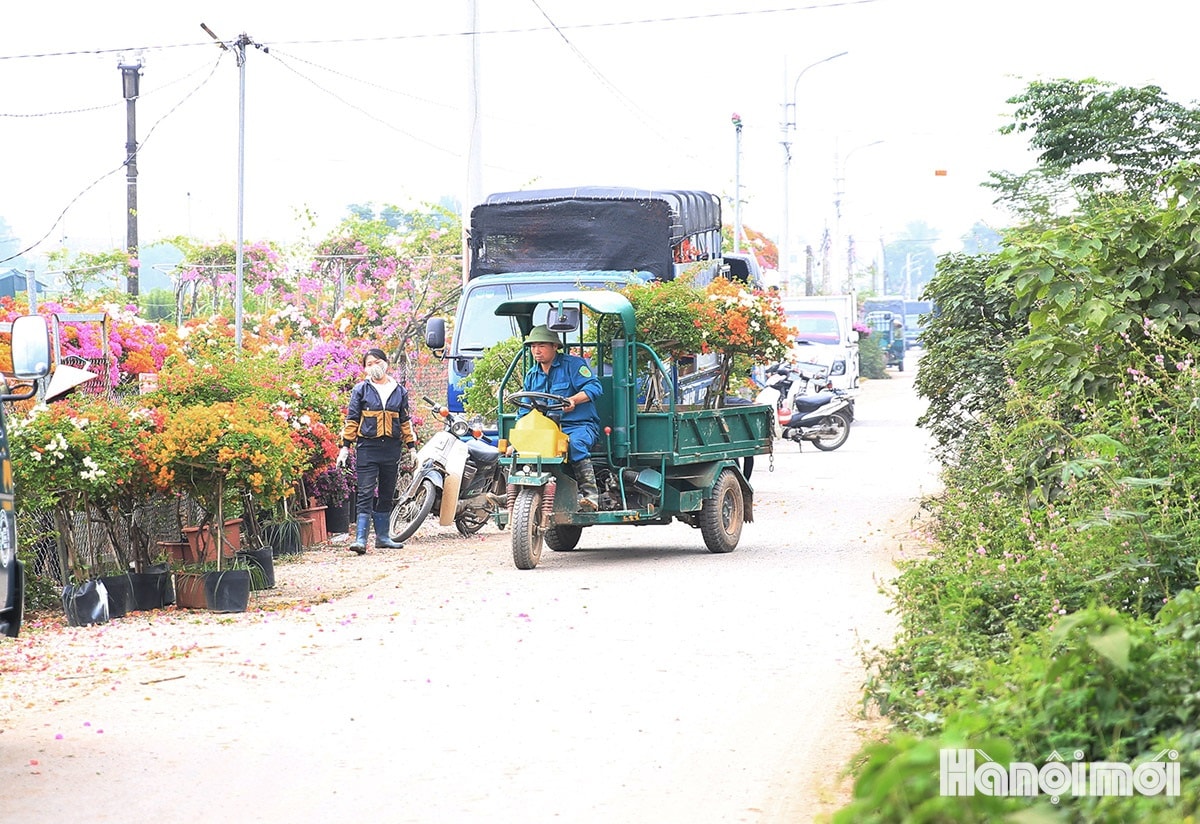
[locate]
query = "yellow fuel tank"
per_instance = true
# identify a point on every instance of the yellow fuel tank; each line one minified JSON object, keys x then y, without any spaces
{"x":535,"y":434}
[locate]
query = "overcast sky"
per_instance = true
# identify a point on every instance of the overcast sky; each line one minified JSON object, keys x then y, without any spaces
{"x":366,"y":102}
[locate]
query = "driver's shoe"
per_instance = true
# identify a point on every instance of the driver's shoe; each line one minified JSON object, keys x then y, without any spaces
{"x":589,"y":494}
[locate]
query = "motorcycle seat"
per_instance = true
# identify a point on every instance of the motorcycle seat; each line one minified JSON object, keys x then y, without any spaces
{"x":809,"y":403}
{"x":482,"y":453}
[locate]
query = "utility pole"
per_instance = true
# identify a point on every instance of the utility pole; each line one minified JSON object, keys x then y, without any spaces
{"x":130,"y":76}
{"x":789,"y":123}
{"x":737,"y":185}
{"x":239,"y":51}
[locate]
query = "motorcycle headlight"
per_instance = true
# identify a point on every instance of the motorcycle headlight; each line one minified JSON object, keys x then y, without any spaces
{"x":838,"y":368}
{"x":460,"y":428}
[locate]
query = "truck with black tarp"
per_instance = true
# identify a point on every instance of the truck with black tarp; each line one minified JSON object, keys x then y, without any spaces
{"x":530,"y":242}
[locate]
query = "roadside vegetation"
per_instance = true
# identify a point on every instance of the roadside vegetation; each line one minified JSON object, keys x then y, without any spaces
{"x":1057,"y":614}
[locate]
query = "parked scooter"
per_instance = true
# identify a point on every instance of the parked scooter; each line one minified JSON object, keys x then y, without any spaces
{"x":456,"y":472}
{"x":822,"y":418}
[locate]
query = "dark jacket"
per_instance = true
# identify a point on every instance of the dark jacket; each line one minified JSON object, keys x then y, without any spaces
{"x":367,"y":419}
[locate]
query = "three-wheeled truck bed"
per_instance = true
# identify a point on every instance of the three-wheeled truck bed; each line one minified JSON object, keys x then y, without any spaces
{"x":656,"y":461}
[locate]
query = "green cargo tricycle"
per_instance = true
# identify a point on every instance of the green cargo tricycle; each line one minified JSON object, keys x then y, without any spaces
{"x":656,"y":461}
{"x":889,"y":328}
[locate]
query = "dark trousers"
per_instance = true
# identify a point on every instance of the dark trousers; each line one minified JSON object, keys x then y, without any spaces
{"x":376,"y":463}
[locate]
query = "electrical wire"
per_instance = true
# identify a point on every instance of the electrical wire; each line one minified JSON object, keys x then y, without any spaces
{"x":110,"y":173}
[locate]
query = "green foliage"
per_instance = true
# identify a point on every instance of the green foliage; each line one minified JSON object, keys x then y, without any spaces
{"x":480,"y":392}
{"x":871,"y":363}
{"x":1057,"y":609}
{"x":1087,"y":285}
{"x":964,"y":373}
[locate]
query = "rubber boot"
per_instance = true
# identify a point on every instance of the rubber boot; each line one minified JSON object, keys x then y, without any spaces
{"x":589,"y":494}
{"x":383,"y":532}
{"x":360,"y":538}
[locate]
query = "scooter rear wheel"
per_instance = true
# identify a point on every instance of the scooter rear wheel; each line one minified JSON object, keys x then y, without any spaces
{"x":839,"y":428}
{"x":410,"y":513}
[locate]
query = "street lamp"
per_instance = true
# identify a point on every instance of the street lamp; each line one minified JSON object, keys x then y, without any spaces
{"x":789,"y":123}
{"x":130,"y":80}
{"x":737,"y":185}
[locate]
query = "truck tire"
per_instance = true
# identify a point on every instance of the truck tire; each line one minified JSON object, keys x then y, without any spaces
{"x":722,"y":514}
{"x":563,"y":537}
{"x":407,"y":516}
{"x":527,"y":535}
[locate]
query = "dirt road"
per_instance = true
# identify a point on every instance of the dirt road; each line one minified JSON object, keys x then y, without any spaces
{"x":639,"y":678}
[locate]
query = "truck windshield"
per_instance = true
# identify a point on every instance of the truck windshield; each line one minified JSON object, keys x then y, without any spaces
{"x":479,"y":328}
{"x":815,"y":327}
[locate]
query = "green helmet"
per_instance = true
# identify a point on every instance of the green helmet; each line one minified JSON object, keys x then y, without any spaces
{"x":542,"y":334}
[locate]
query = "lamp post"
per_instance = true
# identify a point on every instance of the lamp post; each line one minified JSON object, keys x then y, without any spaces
{"x":737,"y":184}
{"x":130,"y":77}
{"x":789,"y":123}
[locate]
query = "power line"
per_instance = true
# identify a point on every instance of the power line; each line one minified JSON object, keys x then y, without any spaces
{"x":112,"y":172}
{"x":435,"y":35}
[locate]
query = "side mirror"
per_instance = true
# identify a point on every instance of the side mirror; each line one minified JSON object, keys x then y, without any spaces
{"x":30,"y":347}
{"x":563,"y":319}
{"x":435,"y":333}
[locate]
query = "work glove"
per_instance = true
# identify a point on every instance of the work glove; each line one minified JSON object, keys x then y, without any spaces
{"x":343,"y":457}
{"x":409,"y":461}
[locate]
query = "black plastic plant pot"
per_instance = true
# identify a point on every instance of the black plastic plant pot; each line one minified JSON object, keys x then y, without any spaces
{"x":227,"y":590}
{"x":337,"y":517}
{"x":120,"y":595}
{"x":262,"y":566}
{"x":150,"y":590}
{"x":85,"y":603}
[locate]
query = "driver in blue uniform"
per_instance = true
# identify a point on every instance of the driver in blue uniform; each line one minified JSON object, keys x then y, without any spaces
{"x":558,"y":373}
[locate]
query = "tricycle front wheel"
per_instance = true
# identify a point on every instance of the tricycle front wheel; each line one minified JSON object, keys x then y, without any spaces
{"x":722,"y":514}
{"x":527,"y":534}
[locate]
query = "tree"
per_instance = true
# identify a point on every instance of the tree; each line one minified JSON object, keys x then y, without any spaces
{"x":1094,"y":138}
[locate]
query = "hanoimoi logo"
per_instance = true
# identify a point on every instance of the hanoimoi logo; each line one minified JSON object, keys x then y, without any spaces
{"x":960,"y":774}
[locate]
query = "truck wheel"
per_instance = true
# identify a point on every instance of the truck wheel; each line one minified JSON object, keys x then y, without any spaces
{"x":839,"y":428}
{"x":563,"y":537}
{"x":408,"y":515}
{"x":722,"y":513}
{"x":527,"y":535}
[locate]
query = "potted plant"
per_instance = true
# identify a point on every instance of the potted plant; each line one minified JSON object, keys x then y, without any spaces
{"x":216,"y":452}
{"x":83,"y":459}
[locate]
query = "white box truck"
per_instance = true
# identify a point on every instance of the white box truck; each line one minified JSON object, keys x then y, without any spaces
{"x":825,"y":335}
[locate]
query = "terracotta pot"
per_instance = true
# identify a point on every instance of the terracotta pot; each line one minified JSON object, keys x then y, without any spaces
{"x":201,"y":541}
{"x":317,"y":532}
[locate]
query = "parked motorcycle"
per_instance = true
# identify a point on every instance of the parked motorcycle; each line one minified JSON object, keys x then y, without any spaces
{"x":456,"y":472}
{"x":822,"y":418}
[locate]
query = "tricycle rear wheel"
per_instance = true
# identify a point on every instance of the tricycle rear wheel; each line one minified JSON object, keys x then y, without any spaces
{"x":563,"y":537}
{"x":527,"y":535}
{"x":722,"y":514}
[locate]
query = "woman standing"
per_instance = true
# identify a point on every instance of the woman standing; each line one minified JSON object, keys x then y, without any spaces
{"x":378,"y":426}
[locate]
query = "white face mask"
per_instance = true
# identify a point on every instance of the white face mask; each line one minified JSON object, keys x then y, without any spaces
{"x":376,"y":371}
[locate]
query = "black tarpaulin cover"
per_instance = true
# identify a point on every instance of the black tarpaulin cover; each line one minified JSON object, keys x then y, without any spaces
{"x":587,"y":229}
